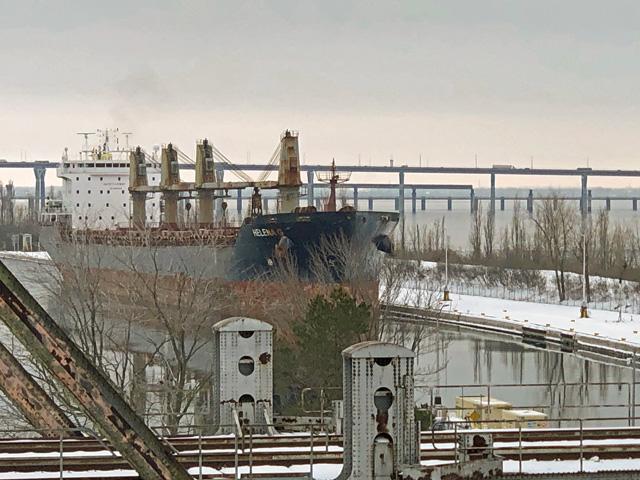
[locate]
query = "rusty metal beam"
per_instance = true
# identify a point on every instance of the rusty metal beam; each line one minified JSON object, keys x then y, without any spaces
{"x":31,"y":399}
{"x":95,"y":394}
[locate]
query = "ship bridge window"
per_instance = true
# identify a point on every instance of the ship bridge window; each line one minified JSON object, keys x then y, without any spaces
{"x":107,"y":204}
{"x":89,"y":179}
{"x":78,"y":192}
{"x":124,"y":204}
{"x":101,"y":190}
{"x":118,"y":178}
{"x":108,"y":192}
{"x":91,"y":165}
{"x":153,"y":179}
{"x":89,"y":192}
{"x":100,"y":178}
{"x":89,"y":204}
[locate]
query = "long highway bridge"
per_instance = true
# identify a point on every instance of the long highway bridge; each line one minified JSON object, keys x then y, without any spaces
{"x":40,"y":166}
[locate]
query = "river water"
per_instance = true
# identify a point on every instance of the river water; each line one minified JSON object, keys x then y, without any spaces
{"x":559,"y":384}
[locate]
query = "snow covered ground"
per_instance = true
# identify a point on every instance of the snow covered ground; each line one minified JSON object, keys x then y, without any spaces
{"x":601,"y":323}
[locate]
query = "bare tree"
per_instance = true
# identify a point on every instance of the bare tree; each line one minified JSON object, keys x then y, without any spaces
{"x":555,"y":221}
{"x":489,"y":234}
{"x":475,"y":235}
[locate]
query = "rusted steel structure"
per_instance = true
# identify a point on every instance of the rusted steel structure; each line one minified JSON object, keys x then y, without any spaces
{"x":95,"y":394}
{"x":32,"y":401}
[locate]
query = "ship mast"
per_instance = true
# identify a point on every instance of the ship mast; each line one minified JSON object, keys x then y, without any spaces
{"x":333,"y":179}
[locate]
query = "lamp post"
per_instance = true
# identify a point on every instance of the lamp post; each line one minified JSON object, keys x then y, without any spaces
{"x":446,"y":272}
{"x":584,"y":311}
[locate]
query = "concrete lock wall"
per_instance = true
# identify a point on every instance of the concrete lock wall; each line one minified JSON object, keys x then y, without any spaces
{"x":379,"y":423}
{"x":243,"y":374}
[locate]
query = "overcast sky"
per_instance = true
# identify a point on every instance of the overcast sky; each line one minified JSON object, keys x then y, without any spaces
{"x":506,"y":80}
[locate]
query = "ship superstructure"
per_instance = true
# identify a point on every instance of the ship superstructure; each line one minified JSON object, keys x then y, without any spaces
{"x":95,"y":185}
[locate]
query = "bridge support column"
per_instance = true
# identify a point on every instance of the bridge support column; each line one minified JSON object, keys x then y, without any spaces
{"x":400,"y":207}
{"x":492,"y":206}
{"x":40,"y":187}
{"x":589,"y":197}
{"x":414,"y":198}
{"x":583,"y":195}
{"x":370,"y":203}
{"x":502,"y":204}
{"x":218,"y":201}
{"x":239,"y":200}
{"x":397,"y":204}
{"x":608,"y":204}
{"x":634,"y":204}
{"x":355,"y":198}
{"x":449,"y":203}
{"x":530,"y":203}
{"x":423,"y":204}
{"x":310,"y":185}
{"x":473,"y":205}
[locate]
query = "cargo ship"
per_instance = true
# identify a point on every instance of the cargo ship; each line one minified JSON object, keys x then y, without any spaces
{"x":123,"y":209}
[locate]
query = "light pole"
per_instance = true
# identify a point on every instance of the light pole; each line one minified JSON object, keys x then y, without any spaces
{"x":445,"y":297}
{"x":584,"y":311}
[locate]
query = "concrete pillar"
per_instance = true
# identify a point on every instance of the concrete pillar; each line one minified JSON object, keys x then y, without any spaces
{"x":530,"y":202}
{"x":371,"y":203}
{"x":634,"y":204}
{"x":379,"y":425}
{"x":40,"y":192}
{"x":607,"y":203}
{"x":239,"y":201}
{"x":583,"y":195}
{"x":472,"y":197}
{"x":502,"y":204}
{"x":397,"y":204}
{"x":589,"y":198}
{"x":218,"y":201}
{"x":355,"y":197}
{"x":414,"y":198}
{"x":423,"y":204}
{"x":243,"y":374}
{"x":170,"y":208}
{"x":449,"y":203}
{"x":400,"y":207}
{"x":310,"y":189}
{"x":492,"y":204}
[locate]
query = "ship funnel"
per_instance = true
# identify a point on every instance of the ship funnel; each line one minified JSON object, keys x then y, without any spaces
{"x":289,"y":181}
{"x":205,"y":173}
{"x":138,"y":178}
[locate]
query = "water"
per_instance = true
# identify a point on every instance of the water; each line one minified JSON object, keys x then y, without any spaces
{"x":458,"y":220}
{"x":561,"y":385}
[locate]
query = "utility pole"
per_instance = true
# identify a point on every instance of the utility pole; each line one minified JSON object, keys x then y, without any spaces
{"x":445,"y":297}
{"x":584,"y":311}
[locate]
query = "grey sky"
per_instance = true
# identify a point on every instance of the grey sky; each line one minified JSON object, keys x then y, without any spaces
{"x":504,"y":79}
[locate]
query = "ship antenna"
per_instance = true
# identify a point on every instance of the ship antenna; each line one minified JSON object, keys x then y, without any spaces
{"x":126,"y":139}
{"x":86,"y":142}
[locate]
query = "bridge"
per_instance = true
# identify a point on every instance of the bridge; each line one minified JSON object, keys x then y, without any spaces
{"x":40,"y":166}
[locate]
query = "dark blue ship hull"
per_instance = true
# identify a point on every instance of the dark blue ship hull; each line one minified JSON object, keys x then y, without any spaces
{"x":266,"y":241}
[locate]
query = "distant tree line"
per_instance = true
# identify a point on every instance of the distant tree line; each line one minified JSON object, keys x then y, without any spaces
{"x":555,"y":237}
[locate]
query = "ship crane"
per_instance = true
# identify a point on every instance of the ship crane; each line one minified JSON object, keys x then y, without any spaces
{"x":333,"y":179}
{"x":208,"y":185}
